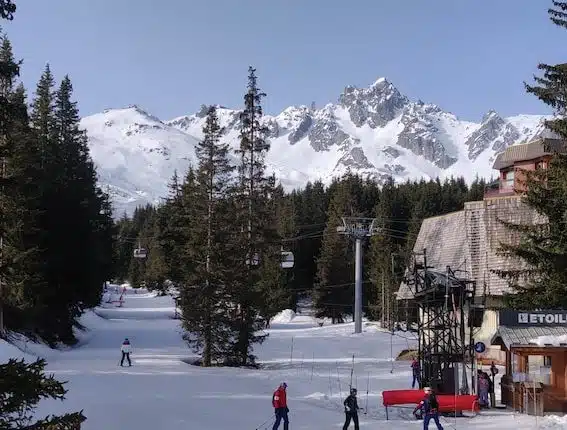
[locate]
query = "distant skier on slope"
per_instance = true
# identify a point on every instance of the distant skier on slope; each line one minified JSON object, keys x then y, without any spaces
{"x":126,"y":349}
{"x":351,"y":410}
{"x":279,"y":402}
{"x":416,"y":371}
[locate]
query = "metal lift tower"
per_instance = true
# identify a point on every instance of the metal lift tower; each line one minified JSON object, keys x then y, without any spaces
{"x":359,"y":229}
{"x":445,"y":304}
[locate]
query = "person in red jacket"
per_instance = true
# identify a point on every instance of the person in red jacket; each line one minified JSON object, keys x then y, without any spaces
{"x":279,"y":402}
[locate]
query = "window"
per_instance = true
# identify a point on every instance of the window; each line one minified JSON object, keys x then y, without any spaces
{"x":540,"y":165}
{"x":547,"y":361}
{"x":508,"y":179}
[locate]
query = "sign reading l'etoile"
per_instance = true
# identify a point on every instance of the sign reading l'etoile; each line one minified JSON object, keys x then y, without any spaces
{"x":548,"y":318}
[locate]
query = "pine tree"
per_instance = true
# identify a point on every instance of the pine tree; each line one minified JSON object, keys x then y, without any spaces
{"x":275,"y":283}
{"x":7,"y":9}
{"x":182,"y":216}
{"x":205,"y":297}
{"x":43,"y":119}
{"x":334,"y":289}
{"x":142,"y":231}
{"x":542,"y":283}
{"x":156,"y":269}
{"x":89,"y":243}
{"x":256,"y":255}
{"x":386,"y":254}
{"x":550,"y":88}
{"x":124,"y":246}
{"x":10,"y":208}
{"x":171,"y":231}
{"x":22,"y":386}
{"x":74,"y":226}
{"x":312,"y":203}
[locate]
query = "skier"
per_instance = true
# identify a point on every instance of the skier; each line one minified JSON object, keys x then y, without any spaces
{"x":416,"y":373}
{"x":351,"y":410}
{"x":126,"y":349}
{"x":483,"y":389}
{"x":493,"y":372}
{"x":429,"y":406}
{"x":279,"y":402}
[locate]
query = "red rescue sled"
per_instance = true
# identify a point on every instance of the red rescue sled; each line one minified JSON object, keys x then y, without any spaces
{"x":447,"y":402}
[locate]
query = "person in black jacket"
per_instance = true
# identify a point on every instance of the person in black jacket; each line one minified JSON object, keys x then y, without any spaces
{"x":351,"y":410}
{"x":429,"y":407}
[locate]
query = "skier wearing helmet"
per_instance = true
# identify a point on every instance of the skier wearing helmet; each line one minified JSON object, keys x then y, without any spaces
{"x":279,"y":402}
{"x":126,"y":349}
{"x":351,"y":410}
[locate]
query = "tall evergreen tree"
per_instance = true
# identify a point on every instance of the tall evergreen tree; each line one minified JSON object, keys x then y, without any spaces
{"x":275,"y":282}
{"x":257,"y":255}
{"x":334,"y":290}
{"x":205,"y":297}
{"x":156,"y":269}
{"x":43,"y":120}
{"x":386,"y":254}
{"x":172,"y":230}
{"x":89,"y":210}
{"x":11,"y":287}
{"x":142,"y":238}
{"x":75,"y":228}
{"x":312,"y":203}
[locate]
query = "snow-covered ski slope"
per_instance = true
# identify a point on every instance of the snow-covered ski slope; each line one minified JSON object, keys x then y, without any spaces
{"x":161,"y":391}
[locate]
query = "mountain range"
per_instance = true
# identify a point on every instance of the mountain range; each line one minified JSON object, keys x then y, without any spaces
{"x":375,"y":131}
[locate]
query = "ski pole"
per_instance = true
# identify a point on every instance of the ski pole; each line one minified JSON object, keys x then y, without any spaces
{"x":351,"y":371}
{"x":263,"y":424}
{"x":367,"y":389}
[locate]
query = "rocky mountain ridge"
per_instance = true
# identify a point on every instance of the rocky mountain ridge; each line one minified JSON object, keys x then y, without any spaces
{"x":374,"y":131}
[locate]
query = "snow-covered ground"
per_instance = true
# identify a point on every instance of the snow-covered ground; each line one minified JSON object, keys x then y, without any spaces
{"x":161,"y":391}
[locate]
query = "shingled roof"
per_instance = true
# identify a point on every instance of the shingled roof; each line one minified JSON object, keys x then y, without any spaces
{"x":525,"y":336}
{"x":529,"y":151}
{"x":469,"y":240}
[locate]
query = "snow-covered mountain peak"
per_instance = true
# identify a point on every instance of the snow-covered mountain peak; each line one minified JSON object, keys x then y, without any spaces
{"x":374,"y":106}
{"x":374,"y":131}
{"x":136,"y":154}
{"x":380,"y":81}
{"x":491,"y":115}
{"x":132,"y":119}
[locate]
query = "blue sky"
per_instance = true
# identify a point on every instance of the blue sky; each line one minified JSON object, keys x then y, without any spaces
{"x":171,"y":56}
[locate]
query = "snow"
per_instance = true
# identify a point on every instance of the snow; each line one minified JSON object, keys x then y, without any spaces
{"x":550,"y":340}
{"x":8,"y":350}
{"x":162,"y":391}
{"x":285,"y":316}
{"x":135,"y":155}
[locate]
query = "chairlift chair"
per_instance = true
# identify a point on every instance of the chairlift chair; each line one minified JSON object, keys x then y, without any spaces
{"x":287,"y":260}
{"x":140,"y":253}
{"x":255,"y":260}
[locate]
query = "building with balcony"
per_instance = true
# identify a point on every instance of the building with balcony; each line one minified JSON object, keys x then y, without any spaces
{"x":516,"y":160}
{"x":469,"y":240}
